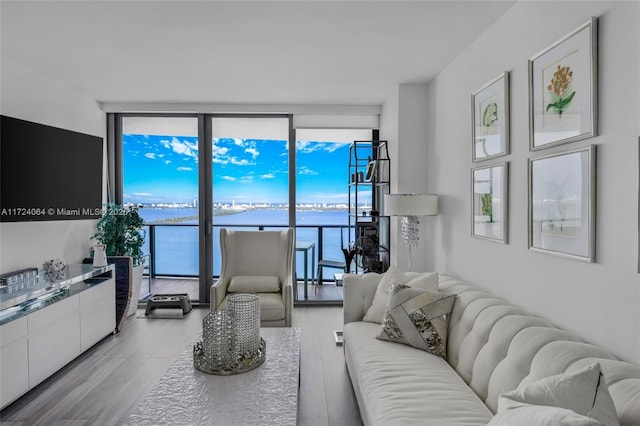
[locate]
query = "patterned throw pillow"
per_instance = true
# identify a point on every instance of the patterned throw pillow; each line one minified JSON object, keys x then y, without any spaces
{"x":426,"y":281}
{"x":417,"y":318}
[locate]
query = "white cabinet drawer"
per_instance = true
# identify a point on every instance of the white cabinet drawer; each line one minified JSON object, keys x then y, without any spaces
{"x":14,"y":367}
{"x":53,"y":313}
{"x":97,"y":313}
{"x":13,"y":330}
{"x":53,"y":346}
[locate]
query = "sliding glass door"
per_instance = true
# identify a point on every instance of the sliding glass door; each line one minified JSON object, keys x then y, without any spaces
{"x":188,"y":190}
{"x":250,"y":179}
{"x":160,"y":175}
{"x":322,"y":164}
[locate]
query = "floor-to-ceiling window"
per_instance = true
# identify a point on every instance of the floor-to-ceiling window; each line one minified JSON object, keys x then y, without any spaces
{"x":322,"y":176}
{"x":160,"y":174}
{"x":250,"y":184}
{"x":255,"y":172}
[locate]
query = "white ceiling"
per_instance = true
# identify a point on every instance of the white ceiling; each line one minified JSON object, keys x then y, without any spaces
{"x":247,"y":52}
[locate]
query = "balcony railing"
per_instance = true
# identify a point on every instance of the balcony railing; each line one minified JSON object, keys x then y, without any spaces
{"x":173,"y":248}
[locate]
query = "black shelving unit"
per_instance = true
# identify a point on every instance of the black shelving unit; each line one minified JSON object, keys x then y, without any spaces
{"x":369,"y":180}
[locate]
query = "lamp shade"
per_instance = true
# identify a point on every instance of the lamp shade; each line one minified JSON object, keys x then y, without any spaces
{"x":410,"y":205}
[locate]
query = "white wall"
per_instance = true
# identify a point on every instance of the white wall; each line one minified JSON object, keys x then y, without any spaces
{"x":28,"y":95}
{"x":600,"y":302}
{"x":404,"y":126}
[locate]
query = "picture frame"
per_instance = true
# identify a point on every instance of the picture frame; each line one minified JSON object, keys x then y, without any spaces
{"x":490,"y":119}
{"x":562,"y":204}
{"x":563,"y":92}
{"x":370,"y":174}
{"x":490,"y":201}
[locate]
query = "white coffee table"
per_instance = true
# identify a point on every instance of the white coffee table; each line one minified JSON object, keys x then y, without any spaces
{"x":267,"y":395}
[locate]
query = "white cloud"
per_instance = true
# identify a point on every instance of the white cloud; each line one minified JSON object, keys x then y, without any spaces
{"x":142,"y":194}
{"x":307,"y":171}
{"x":184,"y":169}
{"x":219,"y":150}
{"x":229,"y":178}
{"x":238,"y":141}
{"x":243,"y":162}
{"x":150,"y":155}
{"x":184,"y":147}
{"x":219,"y":154}
{"x":267,"y":176}
{"x":254,"y":152}
{"x":307,"y":147}
{"x":167,"y":161}
{"x":333,"y":146}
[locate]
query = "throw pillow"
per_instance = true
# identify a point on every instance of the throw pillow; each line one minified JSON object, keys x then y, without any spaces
{"x":426,"y":281}
{"x":583,"y":391}
{"x":522,"y":414}
{"x":417,"y":318}
{"x":254,"y":284}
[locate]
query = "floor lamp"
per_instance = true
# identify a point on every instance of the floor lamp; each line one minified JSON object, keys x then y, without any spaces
{"x":410,"y":206}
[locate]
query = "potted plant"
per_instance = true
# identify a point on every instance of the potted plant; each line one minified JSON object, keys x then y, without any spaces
{"x":121,"y":230}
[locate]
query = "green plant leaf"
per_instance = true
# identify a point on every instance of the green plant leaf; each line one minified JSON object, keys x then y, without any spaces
{"x":553,"y":105}
{"x":564,"y":102}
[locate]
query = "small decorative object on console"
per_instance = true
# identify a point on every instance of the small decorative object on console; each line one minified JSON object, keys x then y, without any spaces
{"x":18,"y":280}
{"x":54,"y":268}
{"x":99,"y":255}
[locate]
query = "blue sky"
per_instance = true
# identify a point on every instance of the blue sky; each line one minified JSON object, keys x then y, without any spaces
{"x":164,"y":169}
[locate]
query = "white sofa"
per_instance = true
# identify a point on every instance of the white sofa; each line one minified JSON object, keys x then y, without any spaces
{"x":493,"y":347}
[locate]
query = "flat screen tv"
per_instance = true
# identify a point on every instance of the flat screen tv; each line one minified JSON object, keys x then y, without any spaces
{"x":48,"y":173}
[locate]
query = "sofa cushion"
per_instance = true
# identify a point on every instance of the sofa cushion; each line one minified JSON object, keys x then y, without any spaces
{"x":400,"y":385}
{"x":417,"y":318}
{"x":425,"y":281}
{"x":582,"y":391}
{"x":254,"y":284}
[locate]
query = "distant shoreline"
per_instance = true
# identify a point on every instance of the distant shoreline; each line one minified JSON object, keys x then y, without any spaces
{"x":186,"y":218}
{"x":218,"y":212}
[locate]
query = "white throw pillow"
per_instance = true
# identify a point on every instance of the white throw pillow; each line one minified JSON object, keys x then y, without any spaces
{"x":522,"y":414}
{"x":426,"y":281}
{"x":254,"y":284}
{"x":583,"y":391}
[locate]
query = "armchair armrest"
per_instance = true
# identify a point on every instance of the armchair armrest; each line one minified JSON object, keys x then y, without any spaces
{"x":218,"y":291}
{"x":287,"y":299}
{"x":358,"y":295}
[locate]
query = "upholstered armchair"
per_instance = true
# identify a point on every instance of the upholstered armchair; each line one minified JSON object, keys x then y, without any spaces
{"x":258,"y":262}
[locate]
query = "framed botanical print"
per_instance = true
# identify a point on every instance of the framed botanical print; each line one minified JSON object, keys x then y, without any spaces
{"x":490,"y":119}
{"x":563,"y":89}
{"x":562,"y":192}
{"x":489,"y":200}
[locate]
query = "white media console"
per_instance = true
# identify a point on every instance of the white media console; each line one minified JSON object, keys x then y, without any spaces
{"x":47,"y":325}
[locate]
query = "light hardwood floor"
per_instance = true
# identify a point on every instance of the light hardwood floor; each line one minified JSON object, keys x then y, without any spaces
{"x":104,"y":385}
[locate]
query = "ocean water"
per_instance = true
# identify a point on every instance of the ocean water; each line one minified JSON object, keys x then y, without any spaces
{"x":176,"y":245}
